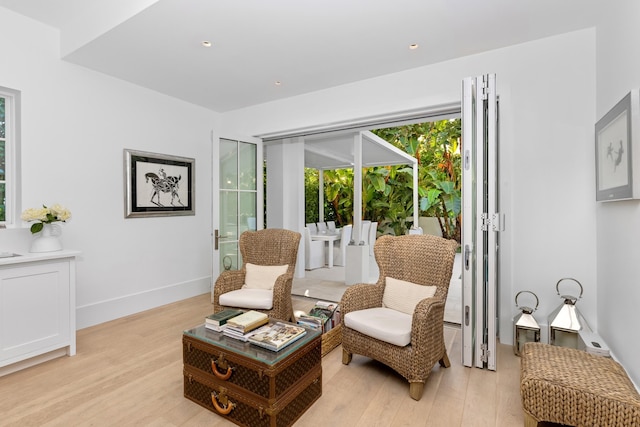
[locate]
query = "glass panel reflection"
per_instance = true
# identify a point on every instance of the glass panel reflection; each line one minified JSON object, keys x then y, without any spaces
{"x":229,"y":215}
{"x":229,"y":256}
{"x":228,"y":164}
{"x":247,"y":161}
{"x":247,"y":217}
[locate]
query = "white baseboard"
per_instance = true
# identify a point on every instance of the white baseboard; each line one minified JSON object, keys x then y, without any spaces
{"x":27,"y":363}
{"x":104,"y":311}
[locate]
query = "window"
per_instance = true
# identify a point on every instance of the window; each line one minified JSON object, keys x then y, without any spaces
{"x":9,"y":149}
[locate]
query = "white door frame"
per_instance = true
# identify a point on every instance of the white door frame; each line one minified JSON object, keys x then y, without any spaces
{"x":215,"y":196}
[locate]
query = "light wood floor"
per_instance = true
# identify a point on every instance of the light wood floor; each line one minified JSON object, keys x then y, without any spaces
{"x":128,"y":372}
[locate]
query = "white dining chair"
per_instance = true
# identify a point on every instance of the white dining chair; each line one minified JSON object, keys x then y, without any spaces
{"x":331,"y":226}
{"x":313,"y":251}
{"x":373,"y":233}
{"x":322,"y":227}
{"x":364,"y":235}
{"x":313,"y":229}
{"x":340,"y":247}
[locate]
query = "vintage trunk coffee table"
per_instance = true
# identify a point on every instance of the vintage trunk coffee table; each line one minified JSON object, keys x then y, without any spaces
{"x":247,"y":384}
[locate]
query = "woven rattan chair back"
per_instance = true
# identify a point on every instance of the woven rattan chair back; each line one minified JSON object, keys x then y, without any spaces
{"x":271,"y":246}
{"x":421,"y":259}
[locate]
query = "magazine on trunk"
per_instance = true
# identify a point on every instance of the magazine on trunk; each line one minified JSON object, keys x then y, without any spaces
{"x":277,"y":335}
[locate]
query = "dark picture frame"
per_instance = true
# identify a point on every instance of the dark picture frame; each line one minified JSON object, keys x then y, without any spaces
{"x":614,"y":134}
{"x":158,"y":184}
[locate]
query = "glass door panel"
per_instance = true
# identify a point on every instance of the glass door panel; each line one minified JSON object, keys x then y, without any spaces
{"x":228,"y":164}
{"x":228,"y":215}
{"x":247,"y":167}
{"x":237,"y":199}
{"x":248,"y":212}
{"x":229,"y":256}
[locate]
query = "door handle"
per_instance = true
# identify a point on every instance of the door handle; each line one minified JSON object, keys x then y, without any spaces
{"x":467,"y":255}
{"x":217,"y":238}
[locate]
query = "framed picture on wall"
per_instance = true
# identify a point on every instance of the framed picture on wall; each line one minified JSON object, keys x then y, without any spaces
{"x":158,"y":184}
{"x":615,"y":151}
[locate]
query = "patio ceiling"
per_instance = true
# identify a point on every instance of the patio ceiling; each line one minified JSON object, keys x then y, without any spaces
{"x":335,"y":151}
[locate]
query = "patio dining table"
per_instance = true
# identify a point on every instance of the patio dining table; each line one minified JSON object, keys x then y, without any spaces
{"x":329,"y":237}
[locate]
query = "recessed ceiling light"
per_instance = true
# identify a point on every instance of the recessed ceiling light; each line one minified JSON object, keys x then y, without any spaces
{"x":413,"y":46}
{"x":278,"y":83}
{"x":206,"y":43}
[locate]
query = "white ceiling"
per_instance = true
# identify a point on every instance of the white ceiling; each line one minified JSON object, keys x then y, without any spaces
{"x":307,"y":45}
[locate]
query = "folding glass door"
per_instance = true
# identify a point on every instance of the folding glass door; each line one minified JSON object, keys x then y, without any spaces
{"x":481,"y":221}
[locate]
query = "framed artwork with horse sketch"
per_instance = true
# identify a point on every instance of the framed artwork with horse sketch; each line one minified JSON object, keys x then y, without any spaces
{"x":158,"y":184}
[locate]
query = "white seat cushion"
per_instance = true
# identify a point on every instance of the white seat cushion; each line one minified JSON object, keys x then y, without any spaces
{"x":385,"y":324}
{"x":248,"y":298}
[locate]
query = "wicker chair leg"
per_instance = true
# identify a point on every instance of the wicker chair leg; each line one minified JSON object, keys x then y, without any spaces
{"x":415,"y":390}
{"x":444,"y":362}
{"x":529,"y":421}
{"x":346,"y":357}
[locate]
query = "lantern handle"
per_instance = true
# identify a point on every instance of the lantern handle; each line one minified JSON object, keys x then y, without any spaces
{"x":569,"y":278}
{"x":529,"y":292}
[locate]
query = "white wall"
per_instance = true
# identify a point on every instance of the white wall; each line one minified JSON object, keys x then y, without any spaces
{"x":547,"y":106}
{"x":285,"y":191}
{"x":75,"y":125}
{"x":618,"y":227}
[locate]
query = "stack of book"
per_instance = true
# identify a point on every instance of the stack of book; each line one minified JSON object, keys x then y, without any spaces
{"x":310,"y":321}
{"x":218,"y":321}
{"x":244,"y":325}
{"x":277,"y":335}
{"x":324,"y":315}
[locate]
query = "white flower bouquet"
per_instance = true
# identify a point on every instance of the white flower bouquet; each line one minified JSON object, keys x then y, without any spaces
{"x":45,"y":215}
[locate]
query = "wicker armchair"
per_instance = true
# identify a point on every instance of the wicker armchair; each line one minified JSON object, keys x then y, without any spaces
{"x":422,"y":260}
{"x":269,"y":247}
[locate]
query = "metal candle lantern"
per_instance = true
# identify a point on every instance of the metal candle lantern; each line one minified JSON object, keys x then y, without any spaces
{"x":525,"y":327}
{"x":565,"y":322}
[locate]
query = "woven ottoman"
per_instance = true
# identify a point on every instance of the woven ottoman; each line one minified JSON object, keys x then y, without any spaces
{"x":575,"y":388}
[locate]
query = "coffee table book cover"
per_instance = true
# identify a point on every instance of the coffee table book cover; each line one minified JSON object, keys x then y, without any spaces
{"x":248,"y":321}
{"x":277,"y":335}
{"x":238,"y":335}
{"x":221,"y":317}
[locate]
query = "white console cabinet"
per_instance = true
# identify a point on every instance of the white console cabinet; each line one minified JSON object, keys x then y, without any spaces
{"x":37,"y":308}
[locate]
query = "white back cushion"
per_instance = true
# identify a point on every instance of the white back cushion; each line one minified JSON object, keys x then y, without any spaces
{"x":403,"y":296}
{"x":263,"y":276}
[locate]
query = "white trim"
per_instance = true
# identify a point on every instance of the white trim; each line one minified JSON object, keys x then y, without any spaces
{"x":468,"y":250}
{"x":115,"y":308}
{"x":357,"y":188}
{"x":391,"y":119}
{"x":407,"y":158}
{"x":12,"y":155}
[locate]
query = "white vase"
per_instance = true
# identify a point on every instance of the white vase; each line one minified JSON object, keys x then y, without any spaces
{"x":47,"y":240}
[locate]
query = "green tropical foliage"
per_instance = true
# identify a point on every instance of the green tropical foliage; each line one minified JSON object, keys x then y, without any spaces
{"x":388,"y":191}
